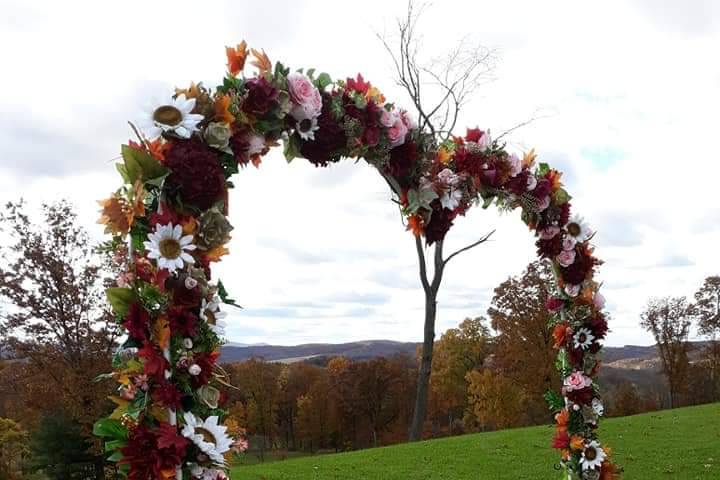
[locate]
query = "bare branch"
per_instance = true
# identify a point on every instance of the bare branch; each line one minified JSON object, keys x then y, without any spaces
{"x":421,"y":261}
{"x":533,"y":118}
{"x":472,"y":245}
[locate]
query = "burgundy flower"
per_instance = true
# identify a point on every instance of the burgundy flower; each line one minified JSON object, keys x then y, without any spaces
{"x":136,"y":322}
{"x":549,"y":248}
{"x":168,"y":215}
{"x":182,"y":322}
{"x":261,"y":97}
{"x":440,"y":222}
{"x":543,"y":188}
{"x":359,"y":84}
{"x":583,"y":396}
{"x":329,"y":138}
{"x":403,"y":160}
{"x":576,"y":273}
{"x":167,"y":394}
{"x":152,"y":453}
{"x":474,"y":134}
{"x":518,"y":183}
{"x":206,"y":362}
{"x":599,"y":326}
{"x":197,"y":175}
{"x":182,"y":296}
{"x":553,"y":304}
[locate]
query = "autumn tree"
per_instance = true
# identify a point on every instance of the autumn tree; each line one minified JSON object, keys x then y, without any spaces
{"x":707,"y":308}
{"x":13,"y":449}
{"x":438,"y":89}
{"x":496,"y":400}
{"x":53,"y":314}
{"x":523,"y":347}
{"x":669,"y":320}
{"x":459,"y":351}
{"x":294,"y":382}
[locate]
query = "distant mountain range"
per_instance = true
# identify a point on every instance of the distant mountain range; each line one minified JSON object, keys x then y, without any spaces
{"x":629,"y":357}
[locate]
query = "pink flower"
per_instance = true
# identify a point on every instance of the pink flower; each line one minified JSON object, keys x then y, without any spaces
{"x":408,"y":120}
{"x":389,"y":117}
{"x":569,"y":243}
{"x":396,"y":134}
{"x":549,"y":233}
{"x":515,"y":165}
{"x":531,"y":183}
{"x":576,"y":381}
{"x":554,"y":304}
{"x":599,"y":300}
{"x":240,"y":445}
{"x":305,"y":97}
{"x":566,"y":258}
{"x":448,"y":178}
{"x":543,"y":203}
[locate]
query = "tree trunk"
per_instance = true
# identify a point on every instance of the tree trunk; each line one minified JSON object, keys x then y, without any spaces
{"x":425,"y":367}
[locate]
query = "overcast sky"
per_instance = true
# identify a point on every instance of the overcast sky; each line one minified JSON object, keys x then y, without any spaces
{"x":629,"y":91}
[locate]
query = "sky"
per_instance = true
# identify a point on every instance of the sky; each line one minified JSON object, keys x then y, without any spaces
{"x":627,"y":95}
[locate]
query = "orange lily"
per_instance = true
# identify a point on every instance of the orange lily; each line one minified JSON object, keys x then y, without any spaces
{"x":262,"y":62}
{"x":222,"y":110}
{"x":236,"y":58}
{"x":415,"y":224}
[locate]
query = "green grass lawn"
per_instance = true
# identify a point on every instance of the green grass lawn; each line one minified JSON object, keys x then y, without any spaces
{"x":673,"y":444}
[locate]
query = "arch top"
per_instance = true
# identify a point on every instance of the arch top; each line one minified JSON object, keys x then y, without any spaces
{"x":173,"y":208}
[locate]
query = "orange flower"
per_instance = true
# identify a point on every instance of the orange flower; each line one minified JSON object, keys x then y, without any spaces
{"x":116,"y":214}
{"x":262,"y":62}
{"x":216,"y":253}
{"x":415,"y":224}
{"x":193,"y":91}
{"x":554,"y":177}
{"x":189,"y":225}
{"x":236,"y":58}
{"x":609,"y":471}
{"x":529,"y":158}
{"x":560,"y":334}
{"x":161,"y":331}
{"x":444,"y":155}
{"x":374,"y":94}
{"x":562,"y":419}
{"x":577,"y":442}
{"x":222,"y":110}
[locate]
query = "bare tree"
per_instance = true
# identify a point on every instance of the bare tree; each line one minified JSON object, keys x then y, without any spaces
{"x":438,"y":90}
{"x":669,"y":319}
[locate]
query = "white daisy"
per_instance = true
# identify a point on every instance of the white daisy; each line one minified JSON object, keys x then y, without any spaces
{"x":593,"y":456}
{"x":210,"y":312}
{"x":578,"y":229}
{"x":169,"y":247}
{"x":598,"y":407}
{"x":173,"y":115}
{"x":307,"y":127}
{"x":583,"y":338}
{"x":210,"y":437}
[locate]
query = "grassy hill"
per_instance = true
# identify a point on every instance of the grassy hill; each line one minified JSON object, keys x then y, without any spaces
{"x":673,"y":444}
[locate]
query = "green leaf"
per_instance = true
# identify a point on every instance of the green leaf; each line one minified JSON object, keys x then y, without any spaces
{"x":111,"y":428}
{"x":291,"y":148}
{"x":322,"y":81}
{"x":116,"y":456}
{"x":543,"y":169}
{"x":120,"y":299}
{"x":554,"y":400}
{"x":223,"y":294}
{"x":487,"y":201}
{"x":139,"y":164}
{"x":561,"y":196}
{"x":123,"y":171}
{"x":418,"y":199}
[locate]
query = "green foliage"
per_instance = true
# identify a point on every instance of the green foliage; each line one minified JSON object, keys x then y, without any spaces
{"x":140,"y":165}
{"x":56,"y":445}
{"x":554,"y":400}
{"x":120,"y":299}
{"x":675,"y":444}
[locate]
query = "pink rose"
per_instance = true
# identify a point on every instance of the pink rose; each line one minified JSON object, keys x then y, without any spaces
{"x":599,"y":300}
{"x":305,"y":97}
{"x":548,"y":233}
{"x":543,"y":203}
{"x":572,"y":290}
{"x":388,"y":118}
{"x":408,"y":120}
{"x":566,"y":258}
{"x":515,"y":165}
{"x":576,"y":381}
{"x":396,"y":134}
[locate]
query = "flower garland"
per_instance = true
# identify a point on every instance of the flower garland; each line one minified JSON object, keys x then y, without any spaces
{"x":170,"y":220}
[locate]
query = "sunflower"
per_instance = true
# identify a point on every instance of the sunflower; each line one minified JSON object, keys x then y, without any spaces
{"x":578,"y":229}
{"x":169,"y":247}
{"x":174,"y":116}
{"x":592,"y":456}
{"x":583,"y":338}
{"x":210,"y":437}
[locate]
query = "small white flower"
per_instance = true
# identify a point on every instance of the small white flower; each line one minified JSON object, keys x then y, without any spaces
{"x":256,"y":145}
{"x":578,"y":229}
{"x":190,"y":283}
{"x":583,"y":338}
{"x":194,"y":369}
{"x":307,"y":127}
{"x":173,"y":115}
{"x":515,"y":165}
{"x":210,"y":312}
{"x":187,"y":343}
{"x":598,"y":407}
{"x":576,"y":407}
{"x":451,"y":199}
{"x":593,"y":456}
{"x":169,"y":247}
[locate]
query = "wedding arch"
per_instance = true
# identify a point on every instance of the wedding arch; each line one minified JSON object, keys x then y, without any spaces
{"x":169,"y":224}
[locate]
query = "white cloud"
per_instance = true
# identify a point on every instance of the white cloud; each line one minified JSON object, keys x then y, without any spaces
{"x":632,"y":93}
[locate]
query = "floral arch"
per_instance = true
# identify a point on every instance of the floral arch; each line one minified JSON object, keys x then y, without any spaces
{"x":169,"y":224}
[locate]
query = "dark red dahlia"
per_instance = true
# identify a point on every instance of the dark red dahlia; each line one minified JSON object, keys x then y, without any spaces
{"x":561,"y":440}
{"x":184,"y":297}
{"x":553,"y":304}
{"x":136,"y":322}
{"x":518,"y":183}
{"x":182,"y":322}
{"x":543,"y":188}
{"x":549,"y":248}
{"x":583,"y":396}
{"x":403,"y":160}
{"x":150,"y":454}
{"x":329,"y":140}
{"x":167,"y":394}
{"x":165,"y":214}
{"x":154,"y":364}
{"x":196,"y":174}
{"x":599,"y":326}
{"x":576,"y":273}
{"x":440,"y":222}
{"x":206,"y":362}
{"x":261,"y":97}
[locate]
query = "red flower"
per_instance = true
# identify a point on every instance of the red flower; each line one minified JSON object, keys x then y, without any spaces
{"x":182,"y":322}
{"x":599,"y":326}
{"x":168,"y":215}
{"x":206,"y":362}
{"x":197,"y":175}
{"x":549,"y":248}
{"x":261,"y":96}
{"x":553,"y":304}
{"x":167,"y":394}
{"x":474,"y":134}
{"x":136,"y":322}
{"x":440,"y":222}
{"x":561,"y":440}
{"x":576,"y":273}
{"x":151,"y":454}
{"x":155,"y":364}
{"x":359,"y":84}
{"x":583,"y":396}
{"x":403,"y":161}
